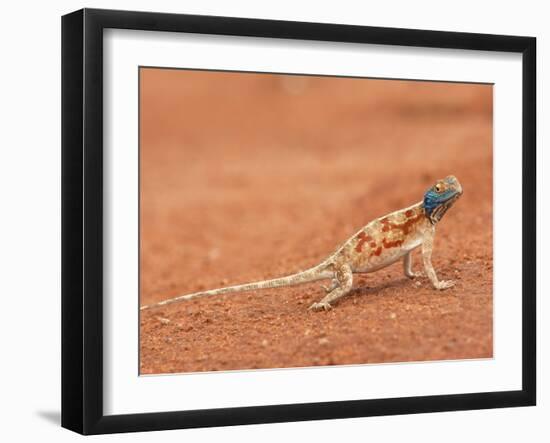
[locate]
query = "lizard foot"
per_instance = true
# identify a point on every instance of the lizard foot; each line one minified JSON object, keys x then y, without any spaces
{"x":445,"y":284}
{"x":320,"y":306}
{"x":415,"y":275}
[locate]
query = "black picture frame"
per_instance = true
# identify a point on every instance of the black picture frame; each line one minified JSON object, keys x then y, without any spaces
{"x":82,"y":220}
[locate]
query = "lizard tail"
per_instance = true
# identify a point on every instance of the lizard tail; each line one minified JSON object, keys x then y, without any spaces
{"x":309,"y":275}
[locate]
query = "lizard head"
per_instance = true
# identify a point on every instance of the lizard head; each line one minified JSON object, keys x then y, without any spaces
{"x":440,"y":197}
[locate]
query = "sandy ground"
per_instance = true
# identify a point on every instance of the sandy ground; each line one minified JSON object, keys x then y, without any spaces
{"x":249,"y":177}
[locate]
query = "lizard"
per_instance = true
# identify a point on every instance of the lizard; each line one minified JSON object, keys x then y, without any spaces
{"x":378,"y":244}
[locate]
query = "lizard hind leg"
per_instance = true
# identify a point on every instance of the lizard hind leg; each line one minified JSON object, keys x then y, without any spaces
{"x":344,"y":281}
{"x":333,"y":285}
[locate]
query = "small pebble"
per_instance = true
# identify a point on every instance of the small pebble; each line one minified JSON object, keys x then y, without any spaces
{"x":163,"y":320}
{"x":323,"y":341}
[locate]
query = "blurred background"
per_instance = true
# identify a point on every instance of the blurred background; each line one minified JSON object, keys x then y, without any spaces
{"x":251,"y":176}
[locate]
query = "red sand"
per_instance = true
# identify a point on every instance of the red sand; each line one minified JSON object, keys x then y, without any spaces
{"x":248,"y":177}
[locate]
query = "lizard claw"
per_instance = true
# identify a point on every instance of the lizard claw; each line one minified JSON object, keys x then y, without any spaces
{"x":445,"y":284}
{"x":320,"y":306}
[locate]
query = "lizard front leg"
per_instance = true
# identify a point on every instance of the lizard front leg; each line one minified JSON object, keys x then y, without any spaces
{"x":407,"y":266}
{"x":344,"y":277}
{"x":427,"y":247}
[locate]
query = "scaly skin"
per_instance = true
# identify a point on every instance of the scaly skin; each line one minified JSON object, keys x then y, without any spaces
{"x":380,"y":243}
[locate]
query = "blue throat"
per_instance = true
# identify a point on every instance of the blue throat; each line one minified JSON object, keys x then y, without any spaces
{"x":430,"y":203}
{"x":433,"y":200}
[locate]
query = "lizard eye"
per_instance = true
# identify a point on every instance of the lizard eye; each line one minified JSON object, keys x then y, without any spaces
{"x":437,"y":188}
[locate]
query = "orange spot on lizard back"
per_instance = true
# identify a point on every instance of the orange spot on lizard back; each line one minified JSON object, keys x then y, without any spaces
{"x":362,"y":239}
{"x":391,"y":244}
{"x":377,"y":251}
{"x":405,"y":227}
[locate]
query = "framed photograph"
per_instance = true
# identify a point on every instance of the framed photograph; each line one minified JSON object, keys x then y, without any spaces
{"x":268,"y":221}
